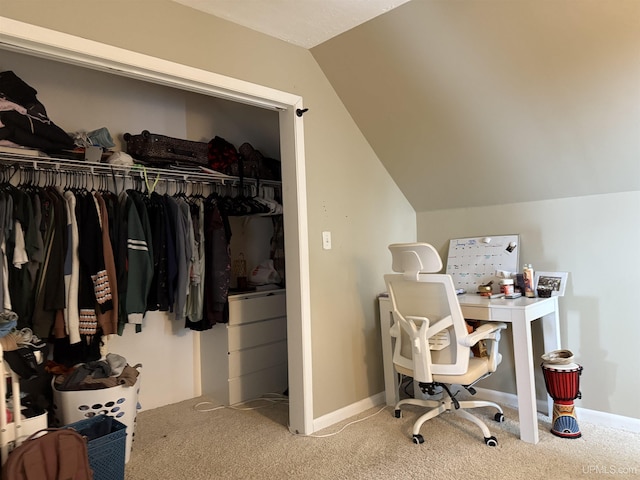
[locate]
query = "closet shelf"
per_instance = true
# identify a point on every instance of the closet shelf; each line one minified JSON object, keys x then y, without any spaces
{"x":52,"y":164}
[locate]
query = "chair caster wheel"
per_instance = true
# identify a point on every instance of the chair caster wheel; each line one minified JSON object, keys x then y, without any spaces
{"x":491,"y":441}
{"x":418,"y":439}
{"x":499,"y":417}
{"x":398,"y":413}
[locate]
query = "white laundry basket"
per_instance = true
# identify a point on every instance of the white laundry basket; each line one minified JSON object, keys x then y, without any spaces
{"x":119,"y":402}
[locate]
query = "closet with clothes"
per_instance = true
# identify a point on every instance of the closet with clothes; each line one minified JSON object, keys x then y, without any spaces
{"x":85,"y":255}
{"x":129,"y":249}
{"x":227,"y":237}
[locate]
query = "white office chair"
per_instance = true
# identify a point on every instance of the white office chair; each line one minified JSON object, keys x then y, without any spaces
{"x":432,"y":343}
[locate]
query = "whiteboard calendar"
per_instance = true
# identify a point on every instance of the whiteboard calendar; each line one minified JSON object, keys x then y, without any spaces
{"x":476,"y":261}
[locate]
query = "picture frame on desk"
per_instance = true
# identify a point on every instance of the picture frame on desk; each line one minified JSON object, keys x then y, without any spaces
{"x":556,"y":280}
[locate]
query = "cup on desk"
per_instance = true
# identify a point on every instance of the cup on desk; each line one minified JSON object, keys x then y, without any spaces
{"x":485,"y":290}
{"x":506,"y":286}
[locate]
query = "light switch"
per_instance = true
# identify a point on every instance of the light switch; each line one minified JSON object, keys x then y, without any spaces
{"x":326,"y":240}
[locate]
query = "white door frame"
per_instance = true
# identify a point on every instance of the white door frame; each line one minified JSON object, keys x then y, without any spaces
{"x":37,"y":41}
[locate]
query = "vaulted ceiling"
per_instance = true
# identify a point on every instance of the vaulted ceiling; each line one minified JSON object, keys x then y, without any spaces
{"x":483,"y":102}
{"x":305,"y":23}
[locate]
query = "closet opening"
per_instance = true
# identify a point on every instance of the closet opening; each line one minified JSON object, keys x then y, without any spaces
{"x":67,"y":49}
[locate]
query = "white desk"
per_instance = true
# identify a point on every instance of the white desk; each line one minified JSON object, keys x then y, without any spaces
{"x":520,"y":312}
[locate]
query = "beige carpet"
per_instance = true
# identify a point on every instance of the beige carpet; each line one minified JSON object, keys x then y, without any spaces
{"x":177,"y":442}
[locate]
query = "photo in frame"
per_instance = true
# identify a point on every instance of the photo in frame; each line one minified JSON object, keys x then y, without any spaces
{"x":557,"y":281}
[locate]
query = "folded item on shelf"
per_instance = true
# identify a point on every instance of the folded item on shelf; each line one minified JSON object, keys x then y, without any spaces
{"x":30,"y":125}
{"x":264,"y":273}
{"x":120,"y":158}
{"x":8,"y":321}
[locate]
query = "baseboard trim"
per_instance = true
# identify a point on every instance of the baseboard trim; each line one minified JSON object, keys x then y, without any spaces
{"x":593,"y":416}
{"x":507,"y":399}
{"x":347,"y":412}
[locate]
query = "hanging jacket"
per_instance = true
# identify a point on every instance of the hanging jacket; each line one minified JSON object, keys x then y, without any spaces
{"x":218,"y":265}
{"x":72,"y":272}
{"x":94,"y":288}
{"x":119,"y":242}
{"x":171,"y":207}
{"x":158,"y":298}
{"x":139,"y":259}
{"x":195,"y":299}
{"x":184,"y":251}
{"x":108,"y":320}
{"x":50,"y":293}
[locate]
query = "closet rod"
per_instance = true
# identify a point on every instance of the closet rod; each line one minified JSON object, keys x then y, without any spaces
{"x":137,"y":170}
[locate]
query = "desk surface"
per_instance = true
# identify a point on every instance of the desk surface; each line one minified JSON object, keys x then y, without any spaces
{"x":473,"y":299}
{"x":512,"y":310}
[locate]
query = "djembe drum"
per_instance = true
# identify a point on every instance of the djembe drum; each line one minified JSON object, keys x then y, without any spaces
{"x":563,"y":384}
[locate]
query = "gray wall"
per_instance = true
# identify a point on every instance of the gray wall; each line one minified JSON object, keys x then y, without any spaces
{"x":594,"y":238}
{"x":521,"y":117}
{"x":472,"y":103}
{"x":349,"y":192}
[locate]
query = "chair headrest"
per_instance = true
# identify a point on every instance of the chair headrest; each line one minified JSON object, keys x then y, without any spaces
{"x":414,"y":258}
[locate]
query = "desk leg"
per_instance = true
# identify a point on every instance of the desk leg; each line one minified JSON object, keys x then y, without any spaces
{"x":551,"y":334}
{"x":390,"y":377}
{"x":525,"y":382}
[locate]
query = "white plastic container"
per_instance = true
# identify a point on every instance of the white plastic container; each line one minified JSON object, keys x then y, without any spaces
{"x":119,"y":402}
{"x":506,"y":286}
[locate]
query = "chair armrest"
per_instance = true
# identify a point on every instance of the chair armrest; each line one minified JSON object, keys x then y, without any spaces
{"x":485,"y":331}
{"x":491,"y":332}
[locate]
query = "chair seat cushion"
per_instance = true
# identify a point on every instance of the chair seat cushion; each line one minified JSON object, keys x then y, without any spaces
{"x":478,"y":367}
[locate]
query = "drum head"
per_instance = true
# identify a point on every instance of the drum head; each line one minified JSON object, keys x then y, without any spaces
{"x":568,"y":367}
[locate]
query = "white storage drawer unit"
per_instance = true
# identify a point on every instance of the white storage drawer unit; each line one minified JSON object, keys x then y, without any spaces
{"x":247,"y":357}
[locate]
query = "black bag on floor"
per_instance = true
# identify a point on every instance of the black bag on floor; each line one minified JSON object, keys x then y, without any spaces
{"x":160,"y":150}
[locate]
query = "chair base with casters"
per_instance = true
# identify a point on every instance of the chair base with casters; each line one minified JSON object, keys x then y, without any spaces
{"x":448,"y":403}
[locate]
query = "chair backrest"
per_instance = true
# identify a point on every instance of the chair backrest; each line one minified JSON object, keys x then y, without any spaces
{"x":428,"y":322}
{"x":412,"y":259}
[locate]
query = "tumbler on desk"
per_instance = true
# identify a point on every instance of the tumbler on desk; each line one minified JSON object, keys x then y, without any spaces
{"x":562,"y":379}
{"x":527,"y":273}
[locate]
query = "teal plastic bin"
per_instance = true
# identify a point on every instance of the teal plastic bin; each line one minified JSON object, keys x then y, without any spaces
{"x":106,"y":445}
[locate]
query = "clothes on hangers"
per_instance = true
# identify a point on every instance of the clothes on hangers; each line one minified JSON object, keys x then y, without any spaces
{"x":49,"y":292}
{"x":78,"y":264}
{"x":217,"y":266}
